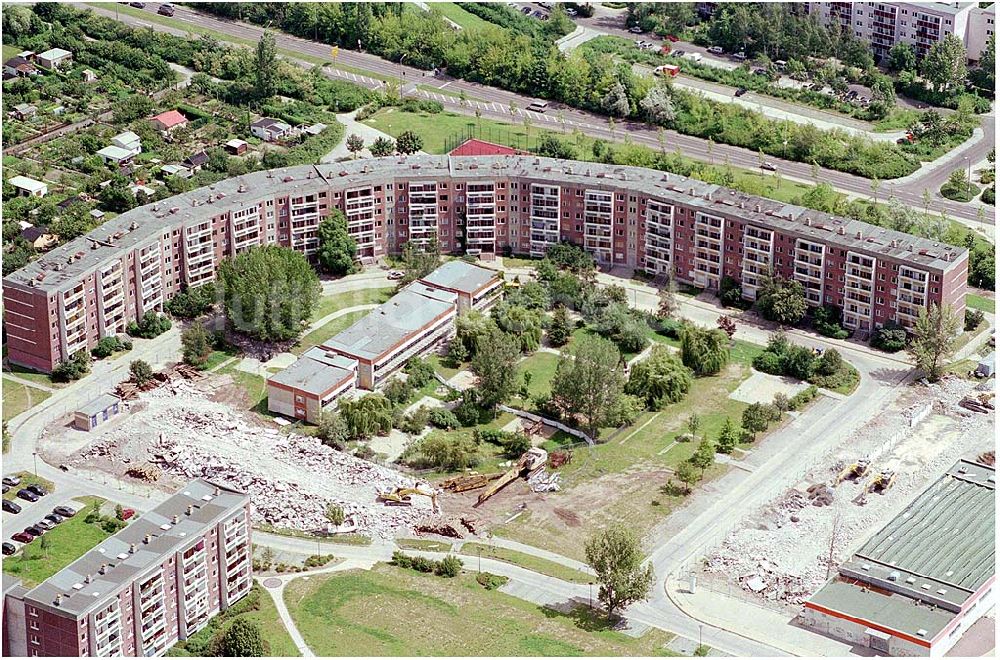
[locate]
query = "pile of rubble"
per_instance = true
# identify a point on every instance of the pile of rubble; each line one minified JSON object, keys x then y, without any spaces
{"x":791,"y":545}
{"x":291,"y":479}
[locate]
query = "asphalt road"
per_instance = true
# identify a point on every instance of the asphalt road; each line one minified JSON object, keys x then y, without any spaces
{"x":497,"y":104}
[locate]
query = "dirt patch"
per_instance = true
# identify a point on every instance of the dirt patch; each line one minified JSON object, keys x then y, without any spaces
{"x":567,"y":516}
{"x":761,"y":388}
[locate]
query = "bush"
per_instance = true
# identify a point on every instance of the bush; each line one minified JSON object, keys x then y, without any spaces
{"x":420,"y":372}
{"x":889,"y":338}
{"x":802,"y":398}
{"x":731,"y":293}
{"x":491,"y":581}
{"x":826,"y":320}
{"x":398,"y":391}
{"x":450,"y":566}
{"x":107,"y":346}
{"x":415,"y":422}
{"x":316,"y":561}
{"x":973,"y":319}
{"x":74,"y":368}
{"x":989,"y":196}
{"x":152,"y":324}
{"x":769,"y":363}
{"x":443,"y":418}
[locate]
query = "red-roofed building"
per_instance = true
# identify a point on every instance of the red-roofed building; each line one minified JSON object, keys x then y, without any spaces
{"x":168,"y":121}
{"x":474,"y":147}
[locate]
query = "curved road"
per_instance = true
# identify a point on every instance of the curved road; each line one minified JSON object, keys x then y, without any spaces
{"x":495,"y":103}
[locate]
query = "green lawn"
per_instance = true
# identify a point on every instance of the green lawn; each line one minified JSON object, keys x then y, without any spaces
{"x":18,"y":397}
{"x":254,"y":386}
{"x":257,"y":607}
{"x":391,"y":611}
{"x":542,"y":366}
{"x":66,"y":543}
{"x":455,"y":13}
{"x":975,"y":301}
{"x":319,"y":335}
{"x":10,"y":51}
{"x":30,"y":374}
{"x":530,"y":562}
{"x":330,"y":304}
{"x":443,"y":131}
{"x":27,"y":478}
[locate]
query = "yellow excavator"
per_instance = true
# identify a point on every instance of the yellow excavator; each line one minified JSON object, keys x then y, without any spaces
{"x":854,"y":471}
{"x":530,"y":461}
{"x":404,"y":497}
{"x":882,"y":482}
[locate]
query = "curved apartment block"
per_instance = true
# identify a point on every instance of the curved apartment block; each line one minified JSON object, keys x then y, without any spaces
{"x":625,"y":216}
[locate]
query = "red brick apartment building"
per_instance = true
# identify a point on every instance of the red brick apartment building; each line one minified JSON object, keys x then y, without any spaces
{"x":625,"y":216}
{"x":138,"y":592}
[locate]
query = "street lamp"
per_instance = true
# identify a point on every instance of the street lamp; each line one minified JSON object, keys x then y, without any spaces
{"x":34,"y":455}
{"x":701,"y":627}
{"x":402,"y":75}
{"x":480,"y":559}
{"x":590,"y":586}
{"x":969,"y":179}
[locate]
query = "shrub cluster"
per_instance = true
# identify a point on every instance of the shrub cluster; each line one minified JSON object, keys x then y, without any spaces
{"x":450,"y":566}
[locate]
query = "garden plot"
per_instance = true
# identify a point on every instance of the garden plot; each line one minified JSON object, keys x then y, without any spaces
{"x":291,"y":479}
{"x":783,"y":552}
{"x":761,"y":388}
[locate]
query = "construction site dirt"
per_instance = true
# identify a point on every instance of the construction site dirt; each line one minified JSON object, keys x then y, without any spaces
{"x":186,"y":429}
{"x":785,"y":551}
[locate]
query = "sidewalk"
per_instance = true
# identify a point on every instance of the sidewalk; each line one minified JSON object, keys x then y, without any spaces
{"x":752,"y":621}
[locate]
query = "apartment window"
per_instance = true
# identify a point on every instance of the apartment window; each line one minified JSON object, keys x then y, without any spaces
{"x":34,"y":639}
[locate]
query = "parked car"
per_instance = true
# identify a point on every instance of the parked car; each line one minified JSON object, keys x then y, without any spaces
{"x":166,"y":10}
{"x":23,"y":537}
{"x":45,"y":525}
{"x":678,"y":53}
{"x":127,"y":513}
{"x":5,"y":489}
{"x":769,"y":166}
{"x":741,"y":91}
{"x":9,"y":548}
{"x":695,"y":57}
{"x":54,"y":518}
{"x":11,"y":480}
{"x":635,"y":29}
{"x":717,"y":50}
{"x":395,"y":275}
{"x":11,"y":507}
{"x":525,"y":10}
{"x":673,"y":38}
{"x":65,"y":511}
{"x":29,"y":495}
{"x":34,"y":530}
{"x":740,"y":55}
{"x":570,"y":11}
{"x":37,"y":490}
{"x":538,"y":106}
{"x":137,"y":5}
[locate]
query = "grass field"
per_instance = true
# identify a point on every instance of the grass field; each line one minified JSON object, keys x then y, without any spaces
{"x":330,"y":304}
{"x":530,"y":562}
{"x":392,"y":611}
{"x":542,"y":366}
{"x":982,"y":303}
{"x":18,"y":397}
{"x":319,"y":335}
{"x":34,"y":376}
{"x":258,"y":607}
{"x":66,"y":543}
{"x":463,"y":18}
{"x":10,"y":51}
{"x":27,"y":478}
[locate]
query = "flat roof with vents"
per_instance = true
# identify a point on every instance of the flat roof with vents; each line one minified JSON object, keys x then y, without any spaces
{"x":121,"y":564}
{"x":915,"y":574}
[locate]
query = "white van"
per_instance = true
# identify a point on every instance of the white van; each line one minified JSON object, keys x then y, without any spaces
{"x":695,"y":57}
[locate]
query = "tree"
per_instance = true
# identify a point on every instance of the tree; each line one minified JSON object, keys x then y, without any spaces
{"x":727,"y":325}
{"x":704,"y":351}
{"x":668,"y":305}
{"x":382,"y":146}
{"x":883,"y":98}
{"x":985,"y":75}
{"x":196,"y":344}
{"x":335,"y":514}
{"x":687,"y":474}
{"x":782,"y":301}
{"x":117,"y":197}
{"x":419,"y":259}
{"x":140,"y":371}
{"x":242,"y":640}
{"x":265,"y":67}
{"x":658,"y":105}
{"x":589,"y":382}
{"x":934,"y":336}
{"x":729,"y":437}
{"x":367,"y":416}
{"x":151,"y":324}
{"x":333,"y":430}
{"x":902,"y":57}
{"x":615,"y":103}
{"x":337,"y":249}
{"x":659,"y":379}
{"x":493,"y":365}
{"x":269,"y":292}
{"x":560,"y":329}
{"x":756,"y":417}
{"x":355,"y":143}
{"x":409,"y":142}
{"x":944,"y":65}
{"x":617,"y":559}
{"x":890,"y":338}
{"x":704,"y":456}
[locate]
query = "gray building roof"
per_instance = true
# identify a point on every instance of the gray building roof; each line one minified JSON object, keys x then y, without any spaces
{"x":392,"y":322}
{"x":317,"y":371}
{"x":461,"y":276}
{"x":927,"y":561}
{"x":99,"y":405}
{"x":140,"y":226}
{"x":211,"y":504}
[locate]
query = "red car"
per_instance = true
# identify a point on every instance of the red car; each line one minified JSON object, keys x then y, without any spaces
{"x":127,"y":513}
{"x":23,"y":537}
{"x":672,"y":38}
